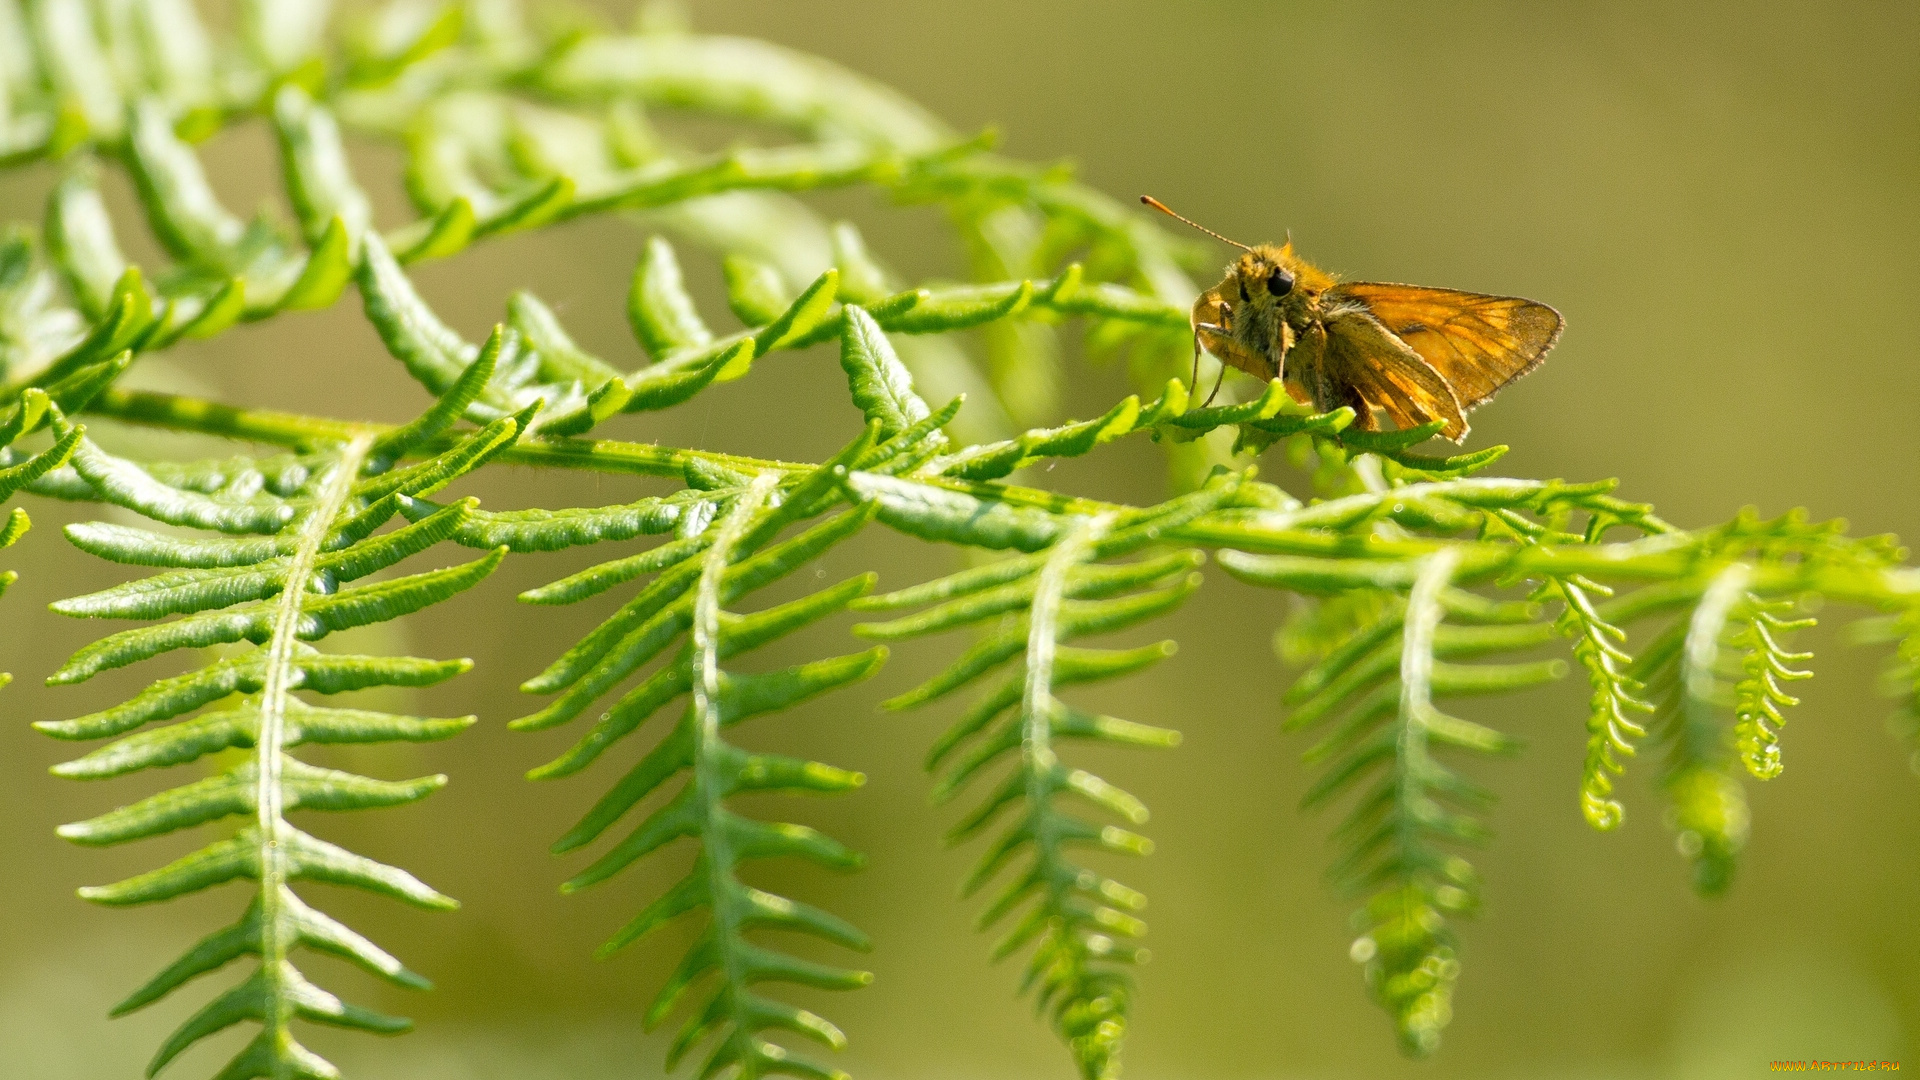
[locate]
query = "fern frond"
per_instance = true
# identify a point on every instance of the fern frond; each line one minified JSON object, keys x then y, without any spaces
{"x":1385,"y":680}
{"x":1407,"y":949}
{"x":1708,"y":806}
{"x":729,"y":557}
{"x":1612,"y":733}
{"x":1758,"y":697}
{"x":275,"y":590}
{"x":728,"y":544}
{"x":1724,"y":658}
{"x":687,"y":355}
{"x":1015,"y":222}
{"x":1375,"y":678}
{"x":1081,"y":924}
{"x":1505,"y":533}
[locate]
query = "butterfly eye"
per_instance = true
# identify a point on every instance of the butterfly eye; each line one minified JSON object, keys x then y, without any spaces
{"x":1280,"y":283}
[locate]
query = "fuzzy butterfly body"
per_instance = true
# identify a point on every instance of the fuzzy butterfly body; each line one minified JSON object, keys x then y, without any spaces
{"x":1415,"y":353}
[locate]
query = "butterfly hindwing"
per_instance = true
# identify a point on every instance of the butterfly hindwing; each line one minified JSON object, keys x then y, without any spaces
{"x":1477,"y":343}
{"x":1389,"y":375}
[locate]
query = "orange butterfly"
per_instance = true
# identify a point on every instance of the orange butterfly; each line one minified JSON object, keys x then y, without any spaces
{"x":1415,"y":353}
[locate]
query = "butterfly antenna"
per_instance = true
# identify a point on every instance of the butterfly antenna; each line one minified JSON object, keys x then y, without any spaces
{"x":1163,"y":208}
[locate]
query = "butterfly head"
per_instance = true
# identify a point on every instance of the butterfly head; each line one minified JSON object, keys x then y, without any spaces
{"x":1274,"y":272}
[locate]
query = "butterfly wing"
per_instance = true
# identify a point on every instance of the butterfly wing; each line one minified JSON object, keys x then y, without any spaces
{"x":1478,"y":344}
{"x":1387,"y":374}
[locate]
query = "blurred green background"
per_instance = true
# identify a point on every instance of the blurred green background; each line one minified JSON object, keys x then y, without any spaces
{"x":1719,"y":196}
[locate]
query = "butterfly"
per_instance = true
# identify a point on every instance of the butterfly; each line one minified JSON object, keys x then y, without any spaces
{"x":1415,"y":353}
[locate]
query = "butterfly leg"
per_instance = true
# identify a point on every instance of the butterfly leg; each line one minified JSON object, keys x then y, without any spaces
{"x":1194,"y":380}
{"x":1217,"y":331}
{"x":1332,"y":390}
{"x":1216,"y":387}
{"x":1363,"y":418}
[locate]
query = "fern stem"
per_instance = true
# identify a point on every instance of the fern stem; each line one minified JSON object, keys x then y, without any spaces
{"x":1704,"y":630}
{"x":1418,"y":992}
{"x":1316,"y":531}
{"x":1095,"y":1047}
{"x":1042,"y":632}
{"x":1709,"y":805}
{"x":1416,"y":672}
{"x":178,"y":412}
{"x":270,"y":798}
{"x":713,"y":769}
{"x":1416,"y":694}
{"x":1038,"y":704}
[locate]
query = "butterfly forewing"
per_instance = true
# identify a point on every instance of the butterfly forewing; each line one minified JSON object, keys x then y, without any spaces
{"x":1476,"y":343}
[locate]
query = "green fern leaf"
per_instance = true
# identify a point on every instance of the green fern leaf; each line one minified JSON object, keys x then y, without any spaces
{"x":730,"y":558}
{"x":1081,"y":924}
{"x":274,"y":590}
